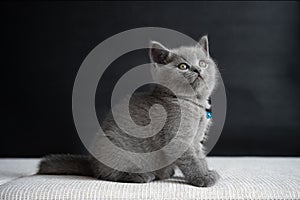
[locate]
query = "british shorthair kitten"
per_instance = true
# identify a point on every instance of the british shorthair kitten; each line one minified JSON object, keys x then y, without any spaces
{"x":199,"y":70}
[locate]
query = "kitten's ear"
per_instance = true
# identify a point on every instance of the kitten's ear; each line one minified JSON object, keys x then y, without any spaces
{"x":158,"y":53}
{"x":203,"y":42}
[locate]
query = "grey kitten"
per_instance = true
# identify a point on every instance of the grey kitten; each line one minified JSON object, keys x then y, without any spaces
{"x":195,"y":64}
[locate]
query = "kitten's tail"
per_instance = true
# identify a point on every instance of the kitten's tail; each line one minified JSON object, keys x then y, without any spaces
{"x":66,"y":164}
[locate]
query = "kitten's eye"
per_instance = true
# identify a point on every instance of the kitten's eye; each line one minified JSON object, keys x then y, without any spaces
{"x":183,"y":66}
{"x":203,"y":64}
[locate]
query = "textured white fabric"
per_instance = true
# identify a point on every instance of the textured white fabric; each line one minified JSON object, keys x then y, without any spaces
{"x":242,"y":178}
{"x":11,"y":169}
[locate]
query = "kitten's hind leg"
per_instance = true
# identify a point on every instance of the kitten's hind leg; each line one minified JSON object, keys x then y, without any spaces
{"x":127,"y":177}
{"x":164,"y":173}
{"x":137,"y":177}
{"x":104,"y":172}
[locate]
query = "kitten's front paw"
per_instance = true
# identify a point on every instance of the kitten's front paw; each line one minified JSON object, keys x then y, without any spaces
{"x":211,"y":178}
{"x":208,"y":180}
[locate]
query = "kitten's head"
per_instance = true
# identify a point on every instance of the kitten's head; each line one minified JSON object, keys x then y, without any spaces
{"x":192,"y":62}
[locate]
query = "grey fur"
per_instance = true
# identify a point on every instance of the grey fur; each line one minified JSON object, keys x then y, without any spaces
{"x":192,"y":162}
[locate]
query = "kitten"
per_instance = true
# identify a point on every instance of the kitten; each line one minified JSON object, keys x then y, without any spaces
{"x":197,"y":67}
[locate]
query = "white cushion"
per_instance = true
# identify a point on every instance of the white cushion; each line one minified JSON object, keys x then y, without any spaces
{"x":242,"y":178}
{"x":11,"y":169}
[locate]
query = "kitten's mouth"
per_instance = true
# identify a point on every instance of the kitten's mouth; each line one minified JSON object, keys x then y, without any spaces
{"x":200,"y":77}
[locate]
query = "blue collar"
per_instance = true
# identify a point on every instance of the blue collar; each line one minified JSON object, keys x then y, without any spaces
{"x":209,"y":111}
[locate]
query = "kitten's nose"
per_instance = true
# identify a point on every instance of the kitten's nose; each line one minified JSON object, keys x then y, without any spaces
{"x":196,"y":70}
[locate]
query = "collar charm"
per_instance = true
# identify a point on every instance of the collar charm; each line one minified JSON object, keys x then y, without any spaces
{"x":208,"y":114}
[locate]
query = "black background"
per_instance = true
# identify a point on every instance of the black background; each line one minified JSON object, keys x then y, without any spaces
{"x":255,"y":44}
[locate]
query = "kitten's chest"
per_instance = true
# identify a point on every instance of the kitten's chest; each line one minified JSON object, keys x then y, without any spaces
{"x":193,"y":115}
